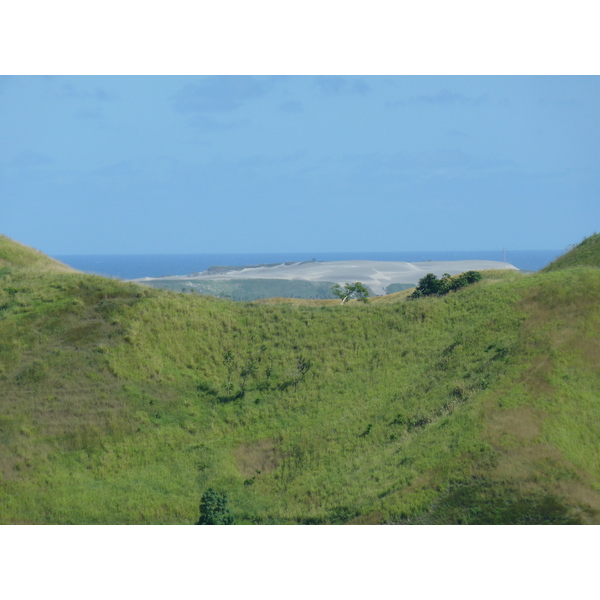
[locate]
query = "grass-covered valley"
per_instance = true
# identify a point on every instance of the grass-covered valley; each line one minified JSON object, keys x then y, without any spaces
{"x":123,"y":404}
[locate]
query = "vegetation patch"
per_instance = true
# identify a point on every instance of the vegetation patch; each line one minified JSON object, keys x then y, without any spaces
{"x":120,"y":403}
{"x":430,"y":285}
{"x":484,"y":502}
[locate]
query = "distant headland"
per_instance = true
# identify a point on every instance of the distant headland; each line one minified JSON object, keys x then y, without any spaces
{"x":381,"y":277}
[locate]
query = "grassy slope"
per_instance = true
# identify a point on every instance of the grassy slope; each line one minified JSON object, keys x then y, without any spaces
{"x":117,"y":405}
{"x":585,"y":254}
{"x":16,"y":255}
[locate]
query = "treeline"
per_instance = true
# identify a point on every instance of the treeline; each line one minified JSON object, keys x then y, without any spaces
{"x":430,"y":285}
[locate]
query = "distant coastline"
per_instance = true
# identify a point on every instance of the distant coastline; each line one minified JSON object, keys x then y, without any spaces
{"x":376,"y":275}
{"x":134,"y":266}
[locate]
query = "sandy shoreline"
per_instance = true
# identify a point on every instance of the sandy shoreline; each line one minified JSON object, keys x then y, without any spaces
{"x":374,"y":274}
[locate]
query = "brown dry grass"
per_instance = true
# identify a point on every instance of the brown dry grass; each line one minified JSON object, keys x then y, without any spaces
{"x":373,"y":518}
{"x":532,"y":465}
{"x":536,"y":377}
{"x":581,"y":495}
{"x":263,"y":456}
{"x":523,"y":456}
{"x":523,"y":424}
{"x":590,"y":350}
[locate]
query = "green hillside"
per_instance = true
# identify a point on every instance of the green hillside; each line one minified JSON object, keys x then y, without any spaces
{"x":124,"y":404}
{"x":585,"y":254}
{"x":13,"y":254}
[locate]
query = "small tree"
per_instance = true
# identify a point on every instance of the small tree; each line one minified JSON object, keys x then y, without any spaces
{"x":351,"y":290}
{"x":213,"y":509}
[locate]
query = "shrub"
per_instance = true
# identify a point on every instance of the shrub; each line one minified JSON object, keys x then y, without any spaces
{"x":214,"y":510}
{"x":430,"y":285}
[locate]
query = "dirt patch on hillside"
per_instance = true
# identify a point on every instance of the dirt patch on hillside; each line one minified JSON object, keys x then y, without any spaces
{"x":263,"y":456}
{"x":590,"y":350}
{"x":534,"y":466}
{"x":537,"y":376}
{"x":373,"y":518}
{"x":516,"y":435}
{"x":521,"y":424}
{"x":583,"y":496}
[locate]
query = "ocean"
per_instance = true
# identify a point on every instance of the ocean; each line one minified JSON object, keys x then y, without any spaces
{"x":134,"y":266}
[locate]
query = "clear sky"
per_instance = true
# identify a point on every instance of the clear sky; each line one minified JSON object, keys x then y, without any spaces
{"x":203,"y":164}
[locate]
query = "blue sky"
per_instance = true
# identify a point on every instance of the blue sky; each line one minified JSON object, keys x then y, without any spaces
{"x":202,"y":164}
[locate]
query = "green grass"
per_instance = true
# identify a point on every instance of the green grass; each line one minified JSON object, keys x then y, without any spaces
{"x":398,"y":287}
{"x":119,"y":404}
{"x":14,"y":254}
{"x":584,"y":254}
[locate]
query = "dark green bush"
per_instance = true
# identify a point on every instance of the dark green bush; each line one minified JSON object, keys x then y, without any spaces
{"x":430,"y":285}
{"x":214,"y":510}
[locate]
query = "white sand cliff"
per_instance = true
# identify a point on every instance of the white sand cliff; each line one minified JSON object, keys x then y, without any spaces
{"x":377,"y":275}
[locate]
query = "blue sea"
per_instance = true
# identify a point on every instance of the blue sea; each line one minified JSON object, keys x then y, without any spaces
{"x":133,"y":266}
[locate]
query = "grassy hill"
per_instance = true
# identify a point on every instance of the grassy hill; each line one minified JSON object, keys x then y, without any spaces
{"x":585,"y":254}
{"x":123,"y":404}
{"x":16,"y":255}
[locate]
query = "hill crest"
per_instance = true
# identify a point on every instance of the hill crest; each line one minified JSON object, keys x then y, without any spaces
{"x":584,"y":254}
{"x":14,"y":254}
